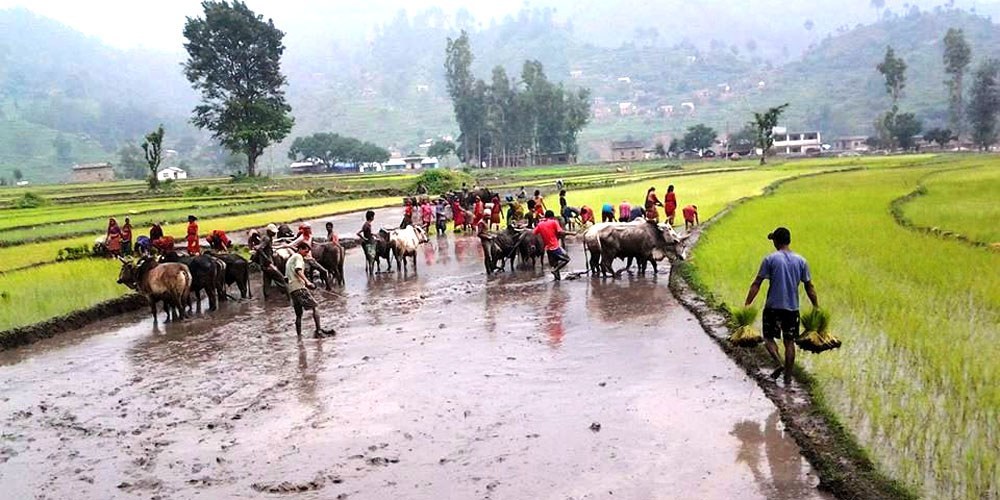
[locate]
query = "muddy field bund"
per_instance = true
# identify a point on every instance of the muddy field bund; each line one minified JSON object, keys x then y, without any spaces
{"x":443,"y":383}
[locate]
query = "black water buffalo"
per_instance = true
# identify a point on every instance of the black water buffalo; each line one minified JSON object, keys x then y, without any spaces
{"x":383,"y":250}
{"x":645,"y":242}
{"x":530,"y":247}
{"x":331,"y":257}
{"x":167,"y":282}
{"x":237,"y":271}
{"x":207,"y":273}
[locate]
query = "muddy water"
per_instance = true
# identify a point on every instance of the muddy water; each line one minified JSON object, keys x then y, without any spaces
{"x":439,"y":384}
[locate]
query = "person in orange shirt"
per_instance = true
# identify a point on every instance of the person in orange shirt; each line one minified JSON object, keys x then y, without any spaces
{"x":670,"y":207}
{"x":193,"y":245}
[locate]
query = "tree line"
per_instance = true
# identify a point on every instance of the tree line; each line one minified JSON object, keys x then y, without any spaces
{"x":506,"y":122}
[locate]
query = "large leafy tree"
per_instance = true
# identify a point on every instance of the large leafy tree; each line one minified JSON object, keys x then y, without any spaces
{"x":234,"y":60}
{"x":333,"y":148}
{"x":957,"y":56}
{"x":763,"y":126}
{"x":893,"y":69}
{"x":984,"y":103}
{"x":699,"y":137}
{"x":903,"y":128}
{"x":461,"y":82}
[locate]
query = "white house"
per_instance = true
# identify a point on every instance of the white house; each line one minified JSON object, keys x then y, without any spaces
{"x":171,"y":173}
{"x":430,"y":162}
{"x":796,"y":142}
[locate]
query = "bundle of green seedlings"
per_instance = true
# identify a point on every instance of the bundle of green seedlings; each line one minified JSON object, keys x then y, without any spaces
{"x":741,"y":323}
{"x":817,"y":337}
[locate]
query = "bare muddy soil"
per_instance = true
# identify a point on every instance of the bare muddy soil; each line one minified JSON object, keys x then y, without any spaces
{"x":440,"y":384}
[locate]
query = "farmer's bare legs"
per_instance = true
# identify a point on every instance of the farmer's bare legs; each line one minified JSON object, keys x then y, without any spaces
{"x":772,"y":349}
{"x":315,"y":312}
{"x":298,"y":319}
{"x":789,"y":358}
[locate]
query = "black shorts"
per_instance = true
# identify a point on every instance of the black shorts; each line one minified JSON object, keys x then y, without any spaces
{"x":557,"y":255}
{"x":778,"y":322}
{"x":302,"y":299}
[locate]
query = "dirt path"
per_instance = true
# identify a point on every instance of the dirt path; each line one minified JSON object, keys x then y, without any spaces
{"x":445,"y":384}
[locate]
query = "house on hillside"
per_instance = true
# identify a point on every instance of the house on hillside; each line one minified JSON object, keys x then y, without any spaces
{"x":796,"y":142}
{"x":626,"y":150}
{"x":93,"y":172}
{"x":171,"y":173}
{"x":394,"y":164}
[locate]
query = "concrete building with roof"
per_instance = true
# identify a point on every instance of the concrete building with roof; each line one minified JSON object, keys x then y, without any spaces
{"x":93,"y":172}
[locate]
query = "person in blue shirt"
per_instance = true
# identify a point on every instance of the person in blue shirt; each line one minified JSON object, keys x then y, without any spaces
{"x":608,"y":213}
{"x":784,"y":269}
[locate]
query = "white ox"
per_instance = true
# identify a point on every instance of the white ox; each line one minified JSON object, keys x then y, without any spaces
{"x":403,"y":243}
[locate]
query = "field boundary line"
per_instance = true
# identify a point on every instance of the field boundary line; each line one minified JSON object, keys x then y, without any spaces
{"x":27,"y":334}
{"x":843,"y":466}
{"x":896,"y":210}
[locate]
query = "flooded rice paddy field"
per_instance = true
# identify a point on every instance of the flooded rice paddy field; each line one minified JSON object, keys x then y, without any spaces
{"x":440,"y":384}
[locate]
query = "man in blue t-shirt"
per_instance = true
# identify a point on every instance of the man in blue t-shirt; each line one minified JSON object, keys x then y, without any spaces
{"x":784,"y":269}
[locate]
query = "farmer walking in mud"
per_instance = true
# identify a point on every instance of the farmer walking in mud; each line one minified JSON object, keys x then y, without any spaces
{"x":368,"y":242}
{"x":299,"y":286}
{"x":193,"y":245}
{"x":784,"y":269}
{"x":551,"y":232}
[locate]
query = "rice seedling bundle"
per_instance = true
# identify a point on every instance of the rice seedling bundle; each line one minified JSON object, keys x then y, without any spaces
{"x":817,"y":337}
{"x":741,"y":323}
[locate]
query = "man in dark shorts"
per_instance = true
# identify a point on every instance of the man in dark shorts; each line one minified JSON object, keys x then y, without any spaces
{"x":299,"y":286}
{"x":550,"y":231}
{"x":784,"y":269}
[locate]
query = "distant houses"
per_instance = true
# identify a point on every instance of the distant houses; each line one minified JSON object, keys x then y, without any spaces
{"x":171,"y":173}
{"x":411,"y":162}
{"x":796,"y":142}
{"x":93,"y":172}
{"x":627,"y":150}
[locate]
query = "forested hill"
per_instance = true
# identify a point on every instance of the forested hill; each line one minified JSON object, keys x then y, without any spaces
{"x":66,"y":98}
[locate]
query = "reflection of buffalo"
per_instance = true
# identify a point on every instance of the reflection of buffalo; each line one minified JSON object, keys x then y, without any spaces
{"x":169,"y":283}
{"x":645,"y":242}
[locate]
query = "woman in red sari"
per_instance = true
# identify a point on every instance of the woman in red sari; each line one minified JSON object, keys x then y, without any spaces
{"x":193,"y":245}
{"x":652,"y":215}
{"x":496,"y":211}
{"x":113,"y":239}
{"x":477,"y":211}
{"x":458,"y":215}
{"x":670,"y":207}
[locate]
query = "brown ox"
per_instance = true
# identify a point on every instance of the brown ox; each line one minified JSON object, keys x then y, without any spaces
{"x":167,"y":282}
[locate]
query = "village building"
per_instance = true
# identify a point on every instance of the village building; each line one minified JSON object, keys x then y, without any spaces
{"x":394,"y":164}
{"x":851,"y":143}
{"x":93,"y":172}
{"x":171,"y":173}
{"x":796,"y":142}
{"x":626,"y":150}
{"x":307,"y":167}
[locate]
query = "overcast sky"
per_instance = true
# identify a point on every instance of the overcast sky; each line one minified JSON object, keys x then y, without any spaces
{"x":158,"y":24}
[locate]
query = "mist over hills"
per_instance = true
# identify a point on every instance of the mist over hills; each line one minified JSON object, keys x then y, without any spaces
{"x":67,"y":98}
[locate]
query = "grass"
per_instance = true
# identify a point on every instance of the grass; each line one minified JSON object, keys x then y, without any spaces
{"x":964,"y":202}
{"x":49,"y":291}
{"x":916,"y":378}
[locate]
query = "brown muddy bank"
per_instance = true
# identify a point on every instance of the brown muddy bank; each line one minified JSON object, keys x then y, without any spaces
{"x":439,"y":384}
{"x":20,"y":336}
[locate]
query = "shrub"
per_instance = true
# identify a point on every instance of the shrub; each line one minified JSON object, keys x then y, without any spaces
{"x":201,"y":191}
{"x":30,"y":200}
{"x":438,"y":181}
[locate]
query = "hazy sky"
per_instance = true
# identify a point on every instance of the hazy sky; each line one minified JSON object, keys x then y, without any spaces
{"x":158,"y":24}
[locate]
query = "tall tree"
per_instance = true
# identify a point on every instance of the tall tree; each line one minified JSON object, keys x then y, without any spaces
{"x":234,"y":60}
{"x":984,"y":103}
{"x":957,"y":56}
{"x":878,"y":5}
{"x":130,"y":163}
{"x":763,"y":125}
{"x":894,"y":70}
{"x":903,"y":128}
{"x":153,"y":148}
{"x":460,"y":83}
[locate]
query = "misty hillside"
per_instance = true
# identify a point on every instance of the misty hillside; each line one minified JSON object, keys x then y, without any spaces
{"x":66,"y":98}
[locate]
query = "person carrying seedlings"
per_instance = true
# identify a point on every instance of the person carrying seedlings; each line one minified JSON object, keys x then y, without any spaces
{"x":784,"y":269}
{"x":690,"y":217}
{"x":551,"y":232}
{"x":299,"y":286}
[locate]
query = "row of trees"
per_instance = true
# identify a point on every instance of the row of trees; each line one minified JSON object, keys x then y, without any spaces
{"x":334,"y":148}
{"x":506,"y":122}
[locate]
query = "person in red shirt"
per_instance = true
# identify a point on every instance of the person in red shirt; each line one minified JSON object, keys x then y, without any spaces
{"x":670,"y":207}
{"x":690,"y":217}
{"x":551,"y":232}
{"x":652,"y":215}
{"x":458,"y":215}
{"x":407,"y":214}
{"x":586,"y":216}
{"x":218,"y":241}
{"x":496,"y":213}
{"x":193,"y":245}
{"x":477,"y":212}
